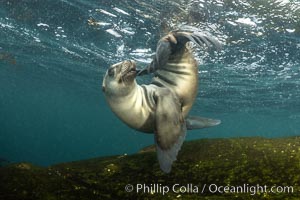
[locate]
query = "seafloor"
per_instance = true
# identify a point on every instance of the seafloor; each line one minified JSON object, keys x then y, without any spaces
{"x":246,"y":162}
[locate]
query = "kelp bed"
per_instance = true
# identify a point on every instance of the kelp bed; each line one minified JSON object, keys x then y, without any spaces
{"x":223,"y":162}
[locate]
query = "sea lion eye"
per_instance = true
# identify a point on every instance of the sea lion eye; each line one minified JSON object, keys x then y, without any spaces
{"x":111,"y":72}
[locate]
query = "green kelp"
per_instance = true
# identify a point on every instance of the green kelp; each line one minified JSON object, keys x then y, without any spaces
{"x":238,"y":168}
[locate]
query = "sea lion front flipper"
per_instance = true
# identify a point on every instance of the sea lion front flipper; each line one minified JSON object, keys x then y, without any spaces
{"x":170,"y":128}
{"x":196,"y":122}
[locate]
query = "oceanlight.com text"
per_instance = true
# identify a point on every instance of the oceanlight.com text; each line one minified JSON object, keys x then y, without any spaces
{"x":206,"y":188}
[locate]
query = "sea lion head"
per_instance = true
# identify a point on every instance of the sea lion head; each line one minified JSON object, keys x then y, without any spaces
{"x":120,"y":78}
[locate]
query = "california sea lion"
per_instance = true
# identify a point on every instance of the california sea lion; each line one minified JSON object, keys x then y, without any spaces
{"x":162,"y":106}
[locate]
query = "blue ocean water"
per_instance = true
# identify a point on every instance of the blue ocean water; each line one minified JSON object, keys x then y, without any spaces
{"x":54,"y":53}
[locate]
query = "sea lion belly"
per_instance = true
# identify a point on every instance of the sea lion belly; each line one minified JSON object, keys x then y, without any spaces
{"x":180,"y":75}
{"x":135,"y":109}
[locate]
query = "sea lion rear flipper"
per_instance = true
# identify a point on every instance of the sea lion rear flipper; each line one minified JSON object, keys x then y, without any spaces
{"x":161,"y":57}
{"x":198,"y":38}
{"x":196,"y":122}
{"x":170,"y":128}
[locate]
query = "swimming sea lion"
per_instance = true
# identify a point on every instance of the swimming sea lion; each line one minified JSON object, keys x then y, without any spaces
{"x":162,"y":106}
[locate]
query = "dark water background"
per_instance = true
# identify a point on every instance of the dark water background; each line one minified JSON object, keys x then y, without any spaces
{"x":54,"y":53}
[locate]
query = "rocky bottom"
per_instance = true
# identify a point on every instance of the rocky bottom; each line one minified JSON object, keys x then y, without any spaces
{"x":235,"y":168}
